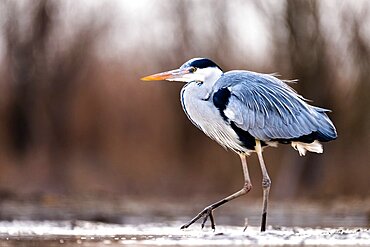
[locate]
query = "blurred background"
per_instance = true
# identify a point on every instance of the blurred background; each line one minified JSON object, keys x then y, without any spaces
{"x":77,"y":121}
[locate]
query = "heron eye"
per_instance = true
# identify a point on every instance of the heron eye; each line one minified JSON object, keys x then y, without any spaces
{"x":192,"y":69}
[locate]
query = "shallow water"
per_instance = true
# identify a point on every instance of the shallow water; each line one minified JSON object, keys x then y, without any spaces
{"x":82,"y":233}
{"x":153,"y":223}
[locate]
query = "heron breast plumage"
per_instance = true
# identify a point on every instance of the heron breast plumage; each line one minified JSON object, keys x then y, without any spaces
{"x":202,"y":113}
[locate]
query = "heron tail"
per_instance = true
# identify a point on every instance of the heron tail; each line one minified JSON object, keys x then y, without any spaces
{"x":302,"y":147}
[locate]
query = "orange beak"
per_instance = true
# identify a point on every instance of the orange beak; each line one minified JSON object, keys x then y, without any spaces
{"x":172,"y":74}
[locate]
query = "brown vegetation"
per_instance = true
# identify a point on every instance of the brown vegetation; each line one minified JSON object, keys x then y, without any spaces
{"x":75,"y":118}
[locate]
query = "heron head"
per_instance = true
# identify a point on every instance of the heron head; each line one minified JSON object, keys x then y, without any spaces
{"x":196,"y":69}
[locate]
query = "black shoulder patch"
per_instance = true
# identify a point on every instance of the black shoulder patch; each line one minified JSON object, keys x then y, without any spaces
{"x":221,"y":99}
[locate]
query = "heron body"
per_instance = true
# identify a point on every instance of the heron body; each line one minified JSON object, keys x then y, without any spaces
{"x":245,"y":112}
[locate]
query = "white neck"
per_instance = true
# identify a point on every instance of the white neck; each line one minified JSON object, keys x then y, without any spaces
{"x":210,"y":75}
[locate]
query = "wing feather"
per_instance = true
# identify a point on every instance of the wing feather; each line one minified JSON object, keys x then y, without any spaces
{"x":269,"y":109}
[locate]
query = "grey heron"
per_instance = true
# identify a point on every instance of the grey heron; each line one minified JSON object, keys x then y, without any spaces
{"x":246,"y":112}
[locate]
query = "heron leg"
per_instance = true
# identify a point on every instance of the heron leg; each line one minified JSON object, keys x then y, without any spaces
{"x":266,"y":184}
{"x":208,"y":211}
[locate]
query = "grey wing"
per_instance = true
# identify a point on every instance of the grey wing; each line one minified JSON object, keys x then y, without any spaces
{"x":269,"y":109}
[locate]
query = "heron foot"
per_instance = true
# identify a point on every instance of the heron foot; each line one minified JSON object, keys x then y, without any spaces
{"x":205,"y":213}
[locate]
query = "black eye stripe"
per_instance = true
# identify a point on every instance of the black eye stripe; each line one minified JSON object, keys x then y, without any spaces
{"x":200,"y":63}
{"x":203,"y":63}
